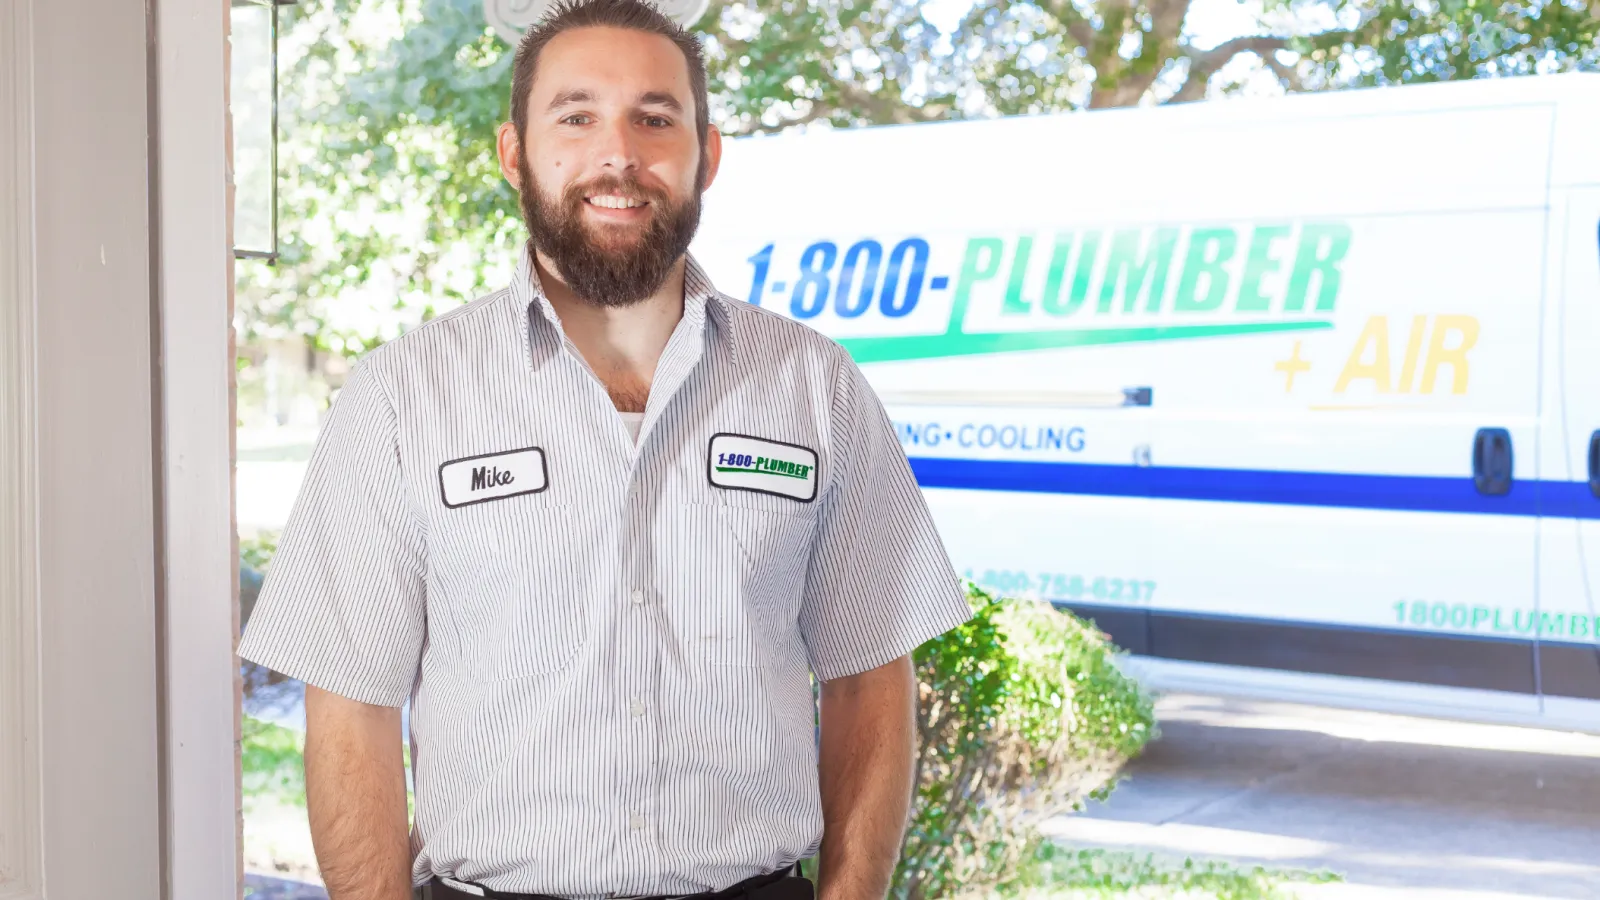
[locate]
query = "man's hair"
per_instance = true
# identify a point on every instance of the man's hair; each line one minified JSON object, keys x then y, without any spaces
{"x":635,"y":15}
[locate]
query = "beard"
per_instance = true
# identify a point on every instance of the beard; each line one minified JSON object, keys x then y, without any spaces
{"x":618,"y":269}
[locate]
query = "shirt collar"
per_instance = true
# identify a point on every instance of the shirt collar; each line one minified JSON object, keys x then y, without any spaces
{"x":701,"y":301}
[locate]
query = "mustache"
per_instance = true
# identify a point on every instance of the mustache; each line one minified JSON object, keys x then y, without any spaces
{"x":628,"y":186}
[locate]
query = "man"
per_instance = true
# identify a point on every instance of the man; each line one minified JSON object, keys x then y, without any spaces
{"x":600,"y":528}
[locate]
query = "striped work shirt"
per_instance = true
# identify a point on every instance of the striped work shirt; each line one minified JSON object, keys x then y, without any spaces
{"x":606,"y":643}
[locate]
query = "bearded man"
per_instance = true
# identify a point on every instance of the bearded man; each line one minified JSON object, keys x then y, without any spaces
{"x":602,"y":529}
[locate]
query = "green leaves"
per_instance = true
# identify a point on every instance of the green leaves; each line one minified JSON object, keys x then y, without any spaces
{"x":1022,"y":714}
{"x":1397,"y":42}
{"x":393,"y":204}
{"x":774,"y":65}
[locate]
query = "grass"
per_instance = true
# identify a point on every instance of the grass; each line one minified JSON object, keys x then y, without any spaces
{"x":1055,"y":872}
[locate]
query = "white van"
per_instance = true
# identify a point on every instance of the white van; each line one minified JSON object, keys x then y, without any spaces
{"x":1295,"y":397}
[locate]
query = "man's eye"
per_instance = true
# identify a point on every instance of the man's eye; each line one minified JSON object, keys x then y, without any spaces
{"x":657,"y":121}
{"x":575,"y":119}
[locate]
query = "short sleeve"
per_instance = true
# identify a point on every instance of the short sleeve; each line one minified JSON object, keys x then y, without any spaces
{"x":343,"y":604}
{"x":880,"y":582}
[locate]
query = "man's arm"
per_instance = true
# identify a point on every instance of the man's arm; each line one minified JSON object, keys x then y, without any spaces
{"x":868,"y":750}
{"x":356,"y":797}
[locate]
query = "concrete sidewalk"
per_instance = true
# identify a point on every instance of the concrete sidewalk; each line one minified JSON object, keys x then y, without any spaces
{"x":1400,"y":806}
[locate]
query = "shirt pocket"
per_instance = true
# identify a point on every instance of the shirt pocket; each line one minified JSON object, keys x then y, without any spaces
{"x":737,"y":600}
{"x":515,"y":596}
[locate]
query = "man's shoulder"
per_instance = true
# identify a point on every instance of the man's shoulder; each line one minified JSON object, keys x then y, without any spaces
{"x":445,"y":333}
{"x":771,"y":335}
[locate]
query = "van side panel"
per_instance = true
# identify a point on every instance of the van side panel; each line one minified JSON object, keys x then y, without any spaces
{"x":1569,"y":654}
{"x":1326,"y":307}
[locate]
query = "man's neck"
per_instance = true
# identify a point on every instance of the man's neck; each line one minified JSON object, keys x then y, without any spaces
{"x":622,"y":344}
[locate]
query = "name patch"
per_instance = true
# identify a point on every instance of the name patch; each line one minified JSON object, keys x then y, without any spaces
{"x":493,"y":476}
{"x":743,"y":463}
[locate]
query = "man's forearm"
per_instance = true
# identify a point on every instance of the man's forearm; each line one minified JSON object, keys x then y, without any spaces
{"x":868,"y":744}
{"x":356,"y":798}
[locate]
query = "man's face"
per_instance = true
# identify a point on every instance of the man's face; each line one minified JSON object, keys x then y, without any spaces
{"x":609,"y":169}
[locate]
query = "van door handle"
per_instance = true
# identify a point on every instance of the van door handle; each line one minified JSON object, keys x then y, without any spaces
{"x":1491,"y":461}
{"x":1594,"y":464}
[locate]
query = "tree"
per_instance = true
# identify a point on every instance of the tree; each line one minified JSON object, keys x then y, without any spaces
{"x":392,"y":199}
{"x":1447,"y":40}
{"x":394,"y":206}
{"x":775,"y":66}
{"x":1006,"y":57}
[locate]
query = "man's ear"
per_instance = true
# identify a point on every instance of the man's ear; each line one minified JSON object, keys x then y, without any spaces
{"x":509,"y":148}
{"x":713,"y":152}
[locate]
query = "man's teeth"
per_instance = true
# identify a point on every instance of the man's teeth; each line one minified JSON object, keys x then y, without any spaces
{"x":611,"y":201}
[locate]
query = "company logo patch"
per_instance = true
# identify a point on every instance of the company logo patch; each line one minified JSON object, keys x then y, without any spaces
{"x":743,"y":463}
{"x":493,"y":476}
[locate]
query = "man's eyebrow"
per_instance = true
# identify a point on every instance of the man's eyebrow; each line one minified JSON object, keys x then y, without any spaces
{"x":575,"y":95}
{"x":660,"y":98}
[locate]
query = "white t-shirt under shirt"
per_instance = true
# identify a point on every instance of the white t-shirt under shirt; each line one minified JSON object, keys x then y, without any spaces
{"x":633,"y":421}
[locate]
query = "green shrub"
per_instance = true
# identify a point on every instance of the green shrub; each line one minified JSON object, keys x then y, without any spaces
{"x":1022,"y":715}
{"x":272,"y":758}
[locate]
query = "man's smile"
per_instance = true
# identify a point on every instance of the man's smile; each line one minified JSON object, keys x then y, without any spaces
{"x":615,"y":201}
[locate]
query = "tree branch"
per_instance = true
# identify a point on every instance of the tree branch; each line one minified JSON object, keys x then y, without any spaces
{"x":1078,"y":27}
{"x":1286,"y":74}
{"x":1204,"y":64}
{"x":818,"y":110}
{"x":1081,"y":32}
{"x":856,"y":100}
{"x":887,"y":110}
{"x":1122,"y":83}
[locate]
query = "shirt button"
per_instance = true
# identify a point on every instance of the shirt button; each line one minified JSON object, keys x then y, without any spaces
{"x":637,"y":708}
{"x":636,"y":822}
{"x":638,"y":597}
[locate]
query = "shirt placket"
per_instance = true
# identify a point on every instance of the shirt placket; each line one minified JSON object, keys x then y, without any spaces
{"x":643,"y":627}
{"x":640,"y":617}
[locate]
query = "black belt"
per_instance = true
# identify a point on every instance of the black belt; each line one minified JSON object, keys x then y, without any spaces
{"x":784,"y":884}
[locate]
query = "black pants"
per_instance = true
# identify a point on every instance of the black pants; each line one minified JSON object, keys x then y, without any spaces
{"x":784,"y":884}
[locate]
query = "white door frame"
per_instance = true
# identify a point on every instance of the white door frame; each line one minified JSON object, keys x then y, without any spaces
{"x":21,"y":868}
{"x":118,"y":607}
{"x":200,"y":600}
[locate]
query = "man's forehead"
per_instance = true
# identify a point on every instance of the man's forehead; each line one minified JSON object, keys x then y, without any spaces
{"x":611,"y":64}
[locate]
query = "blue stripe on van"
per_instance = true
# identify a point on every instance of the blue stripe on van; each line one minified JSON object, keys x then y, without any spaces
{"x":1564,"y":499}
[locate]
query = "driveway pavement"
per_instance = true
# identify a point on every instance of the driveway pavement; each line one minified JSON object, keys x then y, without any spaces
{"x":1403,"y":807}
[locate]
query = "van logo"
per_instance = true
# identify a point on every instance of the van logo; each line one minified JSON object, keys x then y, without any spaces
{"x":492,"y":476}
{"x":1045,"y":289}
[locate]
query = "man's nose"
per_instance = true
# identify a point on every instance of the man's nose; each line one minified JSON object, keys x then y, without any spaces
{"x":617,"y":151}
